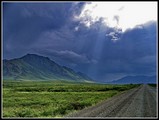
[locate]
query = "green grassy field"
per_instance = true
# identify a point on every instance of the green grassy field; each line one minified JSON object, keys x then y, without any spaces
{"x":53,"y":98}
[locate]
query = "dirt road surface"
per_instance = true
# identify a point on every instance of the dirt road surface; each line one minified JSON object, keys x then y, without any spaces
{"x":137,"y":102}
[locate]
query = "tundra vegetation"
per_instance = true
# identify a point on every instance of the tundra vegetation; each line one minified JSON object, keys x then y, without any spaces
{"x":53,"y":98}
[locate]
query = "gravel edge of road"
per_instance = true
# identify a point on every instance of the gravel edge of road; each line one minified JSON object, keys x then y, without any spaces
{"x":122,"y":99}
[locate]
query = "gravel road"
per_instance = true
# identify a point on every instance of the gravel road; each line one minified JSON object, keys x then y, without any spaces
{"x":137,"y":102}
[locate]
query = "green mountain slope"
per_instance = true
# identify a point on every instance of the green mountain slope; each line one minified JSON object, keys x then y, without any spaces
{"x":35,"y":67}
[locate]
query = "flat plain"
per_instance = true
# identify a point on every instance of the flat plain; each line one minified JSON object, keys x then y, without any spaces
{"x":38,"y":99}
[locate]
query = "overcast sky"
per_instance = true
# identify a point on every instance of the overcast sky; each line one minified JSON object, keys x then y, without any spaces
{"x":105,"y":40}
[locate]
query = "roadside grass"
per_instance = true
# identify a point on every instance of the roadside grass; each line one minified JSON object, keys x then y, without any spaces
{"x":153,"y":85}
{"x":53,"y":99}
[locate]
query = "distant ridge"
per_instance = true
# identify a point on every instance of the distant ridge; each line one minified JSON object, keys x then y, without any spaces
{"x":135,"y":80}
{"x":36,"y":67}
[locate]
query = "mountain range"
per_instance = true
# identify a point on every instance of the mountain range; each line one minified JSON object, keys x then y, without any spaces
{"x":36,"y":67}
{"x":139,"y":79}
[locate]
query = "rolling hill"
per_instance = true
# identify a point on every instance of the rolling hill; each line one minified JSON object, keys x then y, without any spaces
{"x":35,"y":67}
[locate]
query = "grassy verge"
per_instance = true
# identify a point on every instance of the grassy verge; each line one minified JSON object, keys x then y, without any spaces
{"x":53,"y":99}
{"x":153,"y":85}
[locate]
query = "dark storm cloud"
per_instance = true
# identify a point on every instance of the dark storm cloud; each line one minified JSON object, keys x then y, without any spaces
{"x":134,"y":53}
{"x":23,"y":23}
{"x":102,"y":52}
{"x":69,"y":56}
